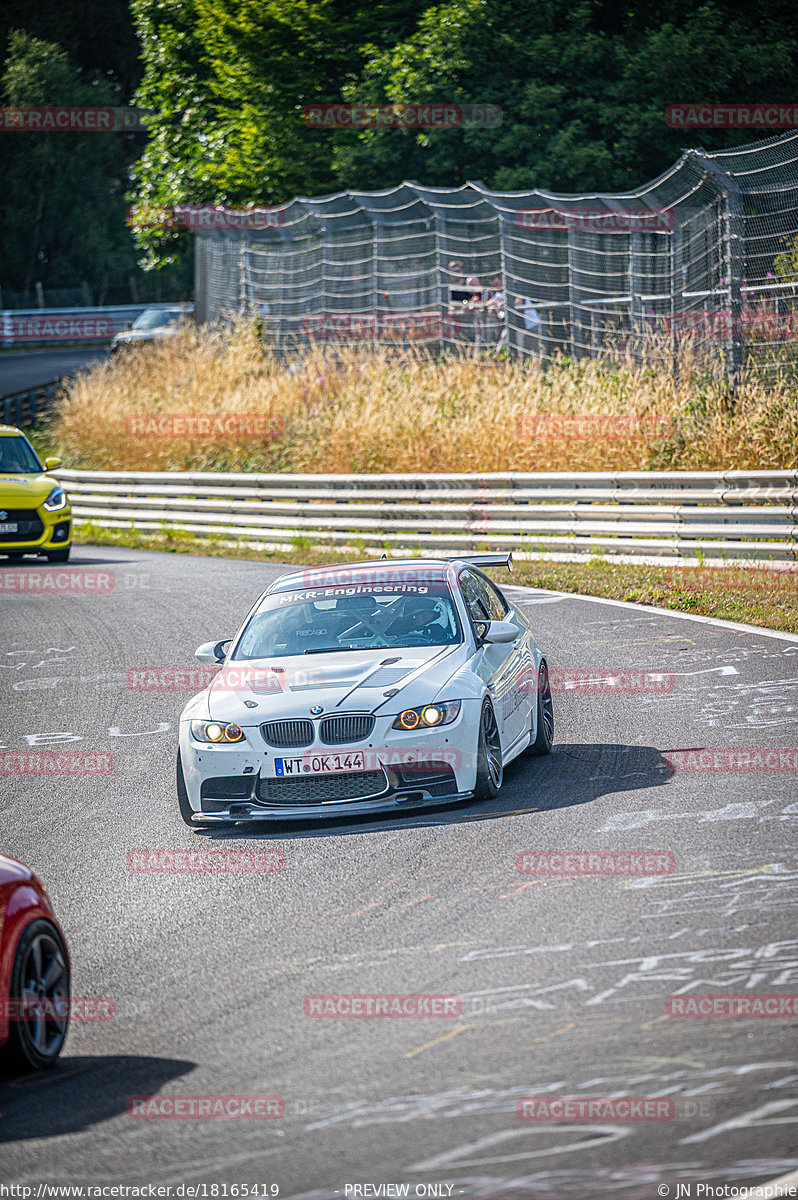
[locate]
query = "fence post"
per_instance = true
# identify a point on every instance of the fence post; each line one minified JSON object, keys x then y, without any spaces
{"x":732,"y":238}
{"x":635,"y":293}
{"x":501,"y":218}
{"x":678,"y":271}
{"x":573,"y":302}
{"x":733,"y":245}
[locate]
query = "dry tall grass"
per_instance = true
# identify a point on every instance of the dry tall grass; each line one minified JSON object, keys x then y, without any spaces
{"x":376,"y":411}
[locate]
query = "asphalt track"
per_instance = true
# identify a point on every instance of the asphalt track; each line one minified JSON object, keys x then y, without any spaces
{"x":563,"y":980}
{"x":30,"y":368}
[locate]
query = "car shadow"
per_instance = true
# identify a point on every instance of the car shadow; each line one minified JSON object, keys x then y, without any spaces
{"x":572,"y":774}
{"x":79,"y":1092}
{"x":32,"y":561}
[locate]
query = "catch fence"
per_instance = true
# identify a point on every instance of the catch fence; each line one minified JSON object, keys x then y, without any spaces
{"x":706,"y":254}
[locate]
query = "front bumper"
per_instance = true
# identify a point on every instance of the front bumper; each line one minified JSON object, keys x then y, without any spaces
{"x":41,"y":530}
{"x":228,"y":783}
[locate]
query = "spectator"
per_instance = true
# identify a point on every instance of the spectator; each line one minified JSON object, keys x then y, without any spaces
{"x":528,"y":340}
{"x":474,"y":290}
{"x":458,"y":292}
{"x":494,"y":296}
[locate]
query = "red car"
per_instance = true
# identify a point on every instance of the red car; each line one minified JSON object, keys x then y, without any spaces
{"x":34,"y":965}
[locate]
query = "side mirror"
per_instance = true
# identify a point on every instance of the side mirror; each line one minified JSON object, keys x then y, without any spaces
{"x":500,"y":631}
{"x":212,"y":653}
{"x":52,"y":464}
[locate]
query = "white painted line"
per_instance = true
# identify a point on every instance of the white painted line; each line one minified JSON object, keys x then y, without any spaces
{"x":643,"y":609}
{"x":785,"y":1185}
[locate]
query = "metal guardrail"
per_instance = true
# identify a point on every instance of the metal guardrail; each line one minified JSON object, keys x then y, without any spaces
{"x":26,"y":407}
{"x":69,"y":326}
{"x":672,"y":514}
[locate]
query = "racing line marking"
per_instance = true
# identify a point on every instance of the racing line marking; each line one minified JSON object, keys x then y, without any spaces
{"x":420,"y":1049}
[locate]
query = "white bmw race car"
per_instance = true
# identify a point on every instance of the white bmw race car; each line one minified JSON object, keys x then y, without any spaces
{"x":365,"y":688}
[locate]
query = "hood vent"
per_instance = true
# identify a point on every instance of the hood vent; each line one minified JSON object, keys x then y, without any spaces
{"x":387,"y":676}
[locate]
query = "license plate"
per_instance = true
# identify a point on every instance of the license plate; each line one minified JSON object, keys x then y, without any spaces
{"x":319,"y":764}
{"x":9,"y":527}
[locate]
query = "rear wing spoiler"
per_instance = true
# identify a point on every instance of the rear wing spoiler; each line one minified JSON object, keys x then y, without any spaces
{"x":488,"y":560}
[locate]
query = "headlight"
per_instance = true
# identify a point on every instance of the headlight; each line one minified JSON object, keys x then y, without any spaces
{"x":56,"y":500}
{"x":427,"y":716}
{"x":213,"y":731}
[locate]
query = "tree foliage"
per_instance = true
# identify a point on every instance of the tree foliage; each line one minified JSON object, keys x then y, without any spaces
{"x":63,"y":200}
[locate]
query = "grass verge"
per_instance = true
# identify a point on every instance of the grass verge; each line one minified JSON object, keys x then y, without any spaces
{"x":201,"y":401}
{"x":754,"y":595}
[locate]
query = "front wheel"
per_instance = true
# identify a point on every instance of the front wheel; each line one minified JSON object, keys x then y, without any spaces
{"x":40,"y":981}
{"x":490,"y":769}
{"x":59,"y":555}
{"x":544,"y":739}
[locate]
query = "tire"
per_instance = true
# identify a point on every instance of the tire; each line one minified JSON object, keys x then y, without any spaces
{"x":41,"y":969}
{"x":490,"y":770}
{"x":58,"y":555}
{"x":186,"y":811}
{"x":544,"y":739}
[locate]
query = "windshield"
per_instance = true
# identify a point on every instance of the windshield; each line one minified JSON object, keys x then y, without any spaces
{"x":351,"y":618}
{"x":16,"y":457}
{"x":154,"y":317}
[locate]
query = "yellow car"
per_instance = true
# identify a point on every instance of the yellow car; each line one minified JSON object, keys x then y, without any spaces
{"x":35,"y":514}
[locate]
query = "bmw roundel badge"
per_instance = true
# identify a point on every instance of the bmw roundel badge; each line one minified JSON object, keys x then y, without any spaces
{"x":317,"y":708}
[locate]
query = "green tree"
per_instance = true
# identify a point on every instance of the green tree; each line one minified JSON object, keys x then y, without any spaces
{"x":583,"y":88}
{"x":227,"y":82}
{"x":63,"y":199}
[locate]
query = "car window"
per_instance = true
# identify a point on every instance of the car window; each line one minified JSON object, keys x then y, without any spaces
{"x":499,"y":607}
{"x":154,"y":318}
{"x":475,"y":596}
{"x":17,"y":458}
{"x":321,"y":620}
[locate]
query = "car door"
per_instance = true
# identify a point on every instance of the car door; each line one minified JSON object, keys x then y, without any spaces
{"x":497,"y":663}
